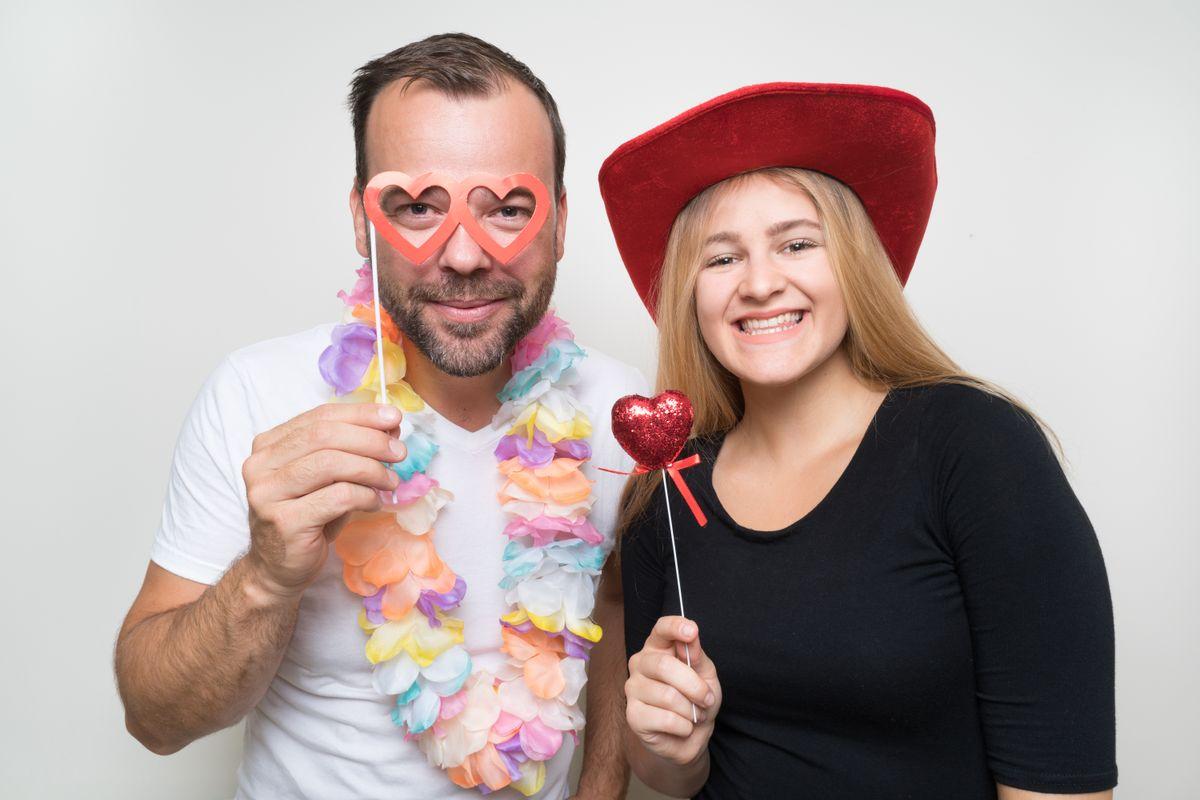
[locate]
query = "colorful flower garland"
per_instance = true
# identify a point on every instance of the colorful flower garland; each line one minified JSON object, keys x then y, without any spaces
{"x":486,"y":730}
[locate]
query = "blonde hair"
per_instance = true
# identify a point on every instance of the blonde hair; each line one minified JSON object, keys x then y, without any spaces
{"x":885,"y":343}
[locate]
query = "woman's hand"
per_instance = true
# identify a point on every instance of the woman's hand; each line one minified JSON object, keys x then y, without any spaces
{"x":662,"y":687}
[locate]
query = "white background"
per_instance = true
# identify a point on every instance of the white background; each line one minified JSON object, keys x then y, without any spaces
{"x":174,"y":182}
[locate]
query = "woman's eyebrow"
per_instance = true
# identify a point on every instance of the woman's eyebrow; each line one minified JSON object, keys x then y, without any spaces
{"x":723,"y":236}
{"x":787,"y":225}
{"x":729,"y":237}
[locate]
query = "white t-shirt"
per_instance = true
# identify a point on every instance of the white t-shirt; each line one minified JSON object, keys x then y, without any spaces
{"x":322,"y":731}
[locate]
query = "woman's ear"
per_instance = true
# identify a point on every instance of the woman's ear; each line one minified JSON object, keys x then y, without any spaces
{"x":358,"y":214}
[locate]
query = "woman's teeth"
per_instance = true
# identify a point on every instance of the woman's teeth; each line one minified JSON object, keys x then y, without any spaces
{"x":780,"y":322}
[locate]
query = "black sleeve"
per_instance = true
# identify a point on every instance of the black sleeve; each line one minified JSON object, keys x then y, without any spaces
{"x":643,"y":576}
{"x":1036,"y":594}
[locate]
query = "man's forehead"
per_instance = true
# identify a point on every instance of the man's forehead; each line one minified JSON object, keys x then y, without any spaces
{"x":418,"y":128}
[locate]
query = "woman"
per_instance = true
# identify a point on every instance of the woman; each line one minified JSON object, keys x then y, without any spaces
{"x":897,"y":593}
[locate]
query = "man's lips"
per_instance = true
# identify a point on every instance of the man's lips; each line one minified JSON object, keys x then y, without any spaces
{"x":467,"y":310}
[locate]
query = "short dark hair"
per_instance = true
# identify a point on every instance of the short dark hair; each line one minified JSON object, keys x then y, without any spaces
{"x":457,"y":64}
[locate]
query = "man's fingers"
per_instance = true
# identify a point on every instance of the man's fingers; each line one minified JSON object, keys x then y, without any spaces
{"x":325,"y":467}
{"x":368,"y":415}
{"x":669,"y":630}
{"x":665,"y":668}
{"x":368,"y":442}
{"x":325,"y":505}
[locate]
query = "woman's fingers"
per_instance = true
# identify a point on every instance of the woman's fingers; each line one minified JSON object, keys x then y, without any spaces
{"x":661,"y":695}
{"x":647,"y":721}
{"x":669,"y":630}
{"x":664,"y":667}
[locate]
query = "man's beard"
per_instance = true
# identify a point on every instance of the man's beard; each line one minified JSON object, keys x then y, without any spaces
{"x":467,"y":349}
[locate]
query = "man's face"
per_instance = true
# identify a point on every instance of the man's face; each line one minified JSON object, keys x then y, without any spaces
{"x":462,"y":309}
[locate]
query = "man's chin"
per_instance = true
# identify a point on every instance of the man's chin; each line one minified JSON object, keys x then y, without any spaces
{"x":465,"y":349}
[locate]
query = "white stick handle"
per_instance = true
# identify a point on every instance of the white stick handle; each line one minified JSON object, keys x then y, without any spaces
{"x":678,"y":583}
{"x":382,"y":393}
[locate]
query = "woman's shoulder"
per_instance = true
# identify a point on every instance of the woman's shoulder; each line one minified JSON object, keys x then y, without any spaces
{"x":957,"y":418}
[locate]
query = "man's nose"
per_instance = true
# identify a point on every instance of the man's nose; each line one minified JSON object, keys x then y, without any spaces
{"x":463,"y":254}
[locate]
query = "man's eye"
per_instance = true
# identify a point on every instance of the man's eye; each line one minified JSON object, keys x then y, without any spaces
{"x":416,"y":209}
{"x":512,"y":212}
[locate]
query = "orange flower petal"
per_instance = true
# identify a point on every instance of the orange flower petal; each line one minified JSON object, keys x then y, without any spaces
{"x":543,"y":675}
{"x":399,"y":598}
{"x":367,"y":315}
{"x":352,"y":576}
{"x":444,"y":582}
{"x":389,"y":565}
{"x":490,"y":768}
{"x":364,"y":536}
{"x":515,"y":645}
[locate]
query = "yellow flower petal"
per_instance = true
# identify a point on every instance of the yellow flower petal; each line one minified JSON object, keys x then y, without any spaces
{"x":533,"y":776}
{"x":553,"y":623}
{"x":585,"y":628}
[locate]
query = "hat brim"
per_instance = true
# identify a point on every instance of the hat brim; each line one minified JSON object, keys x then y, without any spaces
{"x":877,"y":141}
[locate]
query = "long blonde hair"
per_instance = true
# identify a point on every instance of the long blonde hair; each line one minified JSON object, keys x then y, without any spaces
{"x":885,"y":343}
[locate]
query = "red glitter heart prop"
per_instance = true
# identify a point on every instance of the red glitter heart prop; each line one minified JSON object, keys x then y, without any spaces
{"x":653,"y":430}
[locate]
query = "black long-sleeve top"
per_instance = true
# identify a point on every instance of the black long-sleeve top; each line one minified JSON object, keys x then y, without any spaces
{"x":939,"y":622}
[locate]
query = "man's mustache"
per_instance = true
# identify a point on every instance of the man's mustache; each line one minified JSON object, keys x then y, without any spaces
{"x":466,"y":290}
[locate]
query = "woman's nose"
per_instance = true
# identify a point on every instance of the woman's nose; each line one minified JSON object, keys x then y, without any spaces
{"x":760,"y":279}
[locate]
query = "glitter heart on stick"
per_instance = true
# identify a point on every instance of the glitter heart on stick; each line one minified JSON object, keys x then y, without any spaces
{"x":653,"y":431}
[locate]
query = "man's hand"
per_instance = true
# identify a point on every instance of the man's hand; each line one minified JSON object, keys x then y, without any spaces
{"x":304,"y":478}
{"x":662,"y":687}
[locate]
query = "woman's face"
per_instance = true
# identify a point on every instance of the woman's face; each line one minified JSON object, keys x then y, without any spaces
{"x":768,"y":304}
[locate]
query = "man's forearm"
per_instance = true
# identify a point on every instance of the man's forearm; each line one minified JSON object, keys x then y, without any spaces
{"x":196,"y":669}
{"x":605,"y":772}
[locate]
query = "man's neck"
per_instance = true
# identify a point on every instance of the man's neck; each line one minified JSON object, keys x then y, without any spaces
{"x":469,"y":403}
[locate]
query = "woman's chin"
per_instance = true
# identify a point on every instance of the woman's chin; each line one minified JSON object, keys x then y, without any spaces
{"x":770,"y":375}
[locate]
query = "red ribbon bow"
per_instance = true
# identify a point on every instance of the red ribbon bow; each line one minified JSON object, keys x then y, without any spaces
{"x":673,"y":469}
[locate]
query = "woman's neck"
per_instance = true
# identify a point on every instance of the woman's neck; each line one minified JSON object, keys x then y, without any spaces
{"x":824,"y":407}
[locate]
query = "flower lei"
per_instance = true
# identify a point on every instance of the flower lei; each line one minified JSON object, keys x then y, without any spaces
{"x":486,"y":730}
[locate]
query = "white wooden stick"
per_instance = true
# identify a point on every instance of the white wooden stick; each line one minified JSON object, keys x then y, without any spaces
{"x":678,"y":583}
{"x":382,"y":394}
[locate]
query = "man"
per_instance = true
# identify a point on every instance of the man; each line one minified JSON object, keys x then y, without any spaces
{"x":243,"y":611}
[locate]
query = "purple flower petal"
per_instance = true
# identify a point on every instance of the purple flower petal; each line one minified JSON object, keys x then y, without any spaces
{"x":431,"y":602}
{"x":345,"y":361}
{"x":374,"y":608}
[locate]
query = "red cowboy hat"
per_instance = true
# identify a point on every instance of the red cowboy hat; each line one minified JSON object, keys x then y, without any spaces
{"x":877,"y":141}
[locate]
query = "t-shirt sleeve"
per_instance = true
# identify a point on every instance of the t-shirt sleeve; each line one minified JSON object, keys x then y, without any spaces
{"x":643,"y":576}
{"x":1036,"y":594}
{"x":205,"y":517}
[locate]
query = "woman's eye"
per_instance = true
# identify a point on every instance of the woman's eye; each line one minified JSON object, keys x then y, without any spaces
{"x":719,"y":261}
{"x":799,"y":245}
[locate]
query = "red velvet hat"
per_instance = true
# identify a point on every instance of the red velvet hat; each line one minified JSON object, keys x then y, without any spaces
{"x":877,"y":141}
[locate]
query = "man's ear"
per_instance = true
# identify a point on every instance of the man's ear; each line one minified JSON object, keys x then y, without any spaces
{"x":359,"y":214}
{"x":560,"y":226}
